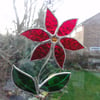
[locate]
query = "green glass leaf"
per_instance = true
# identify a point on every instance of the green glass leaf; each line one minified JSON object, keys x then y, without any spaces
{"x":55,"y":82}
{"x":23,"y":80}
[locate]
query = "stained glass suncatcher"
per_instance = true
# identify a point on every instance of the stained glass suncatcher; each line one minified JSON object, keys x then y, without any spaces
{"x":26,"y":82}
{"x":23,"y":80}
{"x":41,"y":51}
{"x":55,"y":82}
{"x":52,"y":40}
{"x":55,"y":37}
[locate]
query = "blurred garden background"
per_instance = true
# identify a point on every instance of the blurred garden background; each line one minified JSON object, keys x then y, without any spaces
{"x":84,"y":65}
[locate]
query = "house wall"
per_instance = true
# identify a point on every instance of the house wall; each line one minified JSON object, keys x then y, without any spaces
{"x":92,"y":32}
{"x":92,"y":36}
{"x":79,"y":34}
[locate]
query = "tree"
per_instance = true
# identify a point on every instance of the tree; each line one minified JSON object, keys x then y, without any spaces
{"x":25,"y":23}
{"x":32,"y":7}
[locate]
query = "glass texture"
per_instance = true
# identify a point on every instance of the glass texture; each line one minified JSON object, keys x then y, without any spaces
{"x":41,"y":51}
{"x":51,"y":22}
{"x":71,"y":44}
{"x":59,"y":55}
{"x":56,"y":83}
{"x":67,"y":27}
{"x":36,"y":35}
{"x":23,"y":81}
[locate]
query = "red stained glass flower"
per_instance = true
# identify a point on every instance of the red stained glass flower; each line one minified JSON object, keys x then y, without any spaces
{"x":55,"y":37}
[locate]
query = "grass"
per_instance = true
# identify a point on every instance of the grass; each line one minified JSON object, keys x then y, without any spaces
{"x":83,"y":85}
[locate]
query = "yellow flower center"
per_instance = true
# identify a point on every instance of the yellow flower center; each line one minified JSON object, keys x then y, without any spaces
{"x":54,"y":39}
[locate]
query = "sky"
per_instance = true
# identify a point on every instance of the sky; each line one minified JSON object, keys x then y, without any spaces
{"x":67,"y":9}
{"x":81,"y":9}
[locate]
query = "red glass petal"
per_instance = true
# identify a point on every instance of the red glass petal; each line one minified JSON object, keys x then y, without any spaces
{"x":71,"y":44}
{"x":36,"y":35}
{"x":59,"y":55}
{"x":67,"y":27}
{"x":51,"y":22}
{"x":41,"y":51}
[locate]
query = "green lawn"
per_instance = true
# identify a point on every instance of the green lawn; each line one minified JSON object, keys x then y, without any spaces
{"x":83,"y":85}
